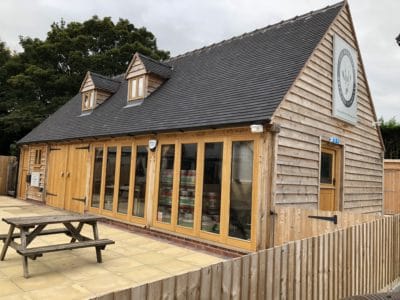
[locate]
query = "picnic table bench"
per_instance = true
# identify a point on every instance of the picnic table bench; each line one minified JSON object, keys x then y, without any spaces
{"x":31,"y":227}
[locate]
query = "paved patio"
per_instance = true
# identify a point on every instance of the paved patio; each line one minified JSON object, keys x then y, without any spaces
{"x":133,"y":260}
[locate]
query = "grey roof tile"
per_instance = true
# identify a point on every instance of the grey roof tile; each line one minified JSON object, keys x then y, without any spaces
{"x":237,"y":81}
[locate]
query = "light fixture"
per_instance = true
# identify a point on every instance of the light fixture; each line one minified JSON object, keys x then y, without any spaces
{"x":152,"y":145}
{"x":256,"y":128}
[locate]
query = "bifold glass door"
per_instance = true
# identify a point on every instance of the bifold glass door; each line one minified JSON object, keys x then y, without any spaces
{"x":114,"y":171}
{"x":221,"y":207}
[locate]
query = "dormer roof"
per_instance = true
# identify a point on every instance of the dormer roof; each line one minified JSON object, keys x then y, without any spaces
{"x":156,"y":67}
{"x":101,"y":82}
{"x":105,"y":83}
{"x":151,"y":65}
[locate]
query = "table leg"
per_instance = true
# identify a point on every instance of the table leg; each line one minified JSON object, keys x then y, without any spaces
{"x":78,"y":230}
{"x":7,"y":242}
{"x":96,"y":237}
{"x":24,"y":233}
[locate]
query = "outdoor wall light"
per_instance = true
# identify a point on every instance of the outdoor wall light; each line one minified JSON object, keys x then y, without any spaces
{"x":256,"y":128}
{"x":152,"y":145}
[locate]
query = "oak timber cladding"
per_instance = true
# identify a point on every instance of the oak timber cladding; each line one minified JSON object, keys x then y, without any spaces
{"x":305,"y":117}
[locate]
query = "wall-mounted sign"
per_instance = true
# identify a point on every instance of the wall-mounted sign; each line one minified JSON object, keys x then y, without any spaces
{"x":334,"y":140}
{"x":35,"y":179}
{"x":344,"y":81}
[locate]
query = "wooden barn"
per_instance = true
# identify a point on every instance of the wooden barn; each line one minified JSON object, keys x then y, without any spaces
{"x":206,"y":145}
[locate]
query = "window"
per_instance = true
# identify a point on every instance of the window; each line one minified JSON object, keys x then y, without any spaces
{"x":110,"y":177}
{"x":212,"y":186}
{"x":38,"y":156}
{"x":187,"y":185}
{"x":124,"y":175}
{"x":88,"y":100}
{"x":166,"y":183}
{"x":326,"y":168}
{"x":139,"y":195}
{"x":97,"y":172}
{"x":241,"y":190}
{"x":136,"y":88}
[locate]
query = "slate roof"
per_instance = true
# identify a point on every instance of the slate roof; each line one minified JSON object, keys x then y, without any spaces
{"x":156,"y":67}
{"x":105,"y":83}
{"x":238,"y":81}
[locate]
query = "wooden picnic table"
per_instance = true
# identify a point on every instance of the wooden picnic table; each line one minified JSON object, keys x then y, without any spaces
{"x":31,"y":227}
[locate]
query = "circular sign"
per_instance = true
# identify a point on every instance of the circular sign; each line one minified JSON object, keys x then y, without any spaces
{"x":346,"y":78}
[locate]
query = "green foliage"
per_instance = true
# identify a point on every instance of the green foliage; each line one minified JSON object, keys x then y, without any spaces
{"x":47,"y":73}
{"x":391,"y":137}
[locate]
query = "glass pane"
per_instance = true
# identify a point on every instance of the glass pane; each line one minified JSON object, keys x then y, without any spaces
{"x":187,"y":185}
{"x":86,"y":103}
{"x":97,"y":170}
{"x":326,"y":167}
{"x":140,"y":87}
{"x":139,"y":195}
{"x":91,"y":99}
{"x":166,"y":181}
{"x":124,"y":175}
{"x":110,"y":175}
{"x":241,"y":190}
{"x":211,"y":202}
{"x":133,"y":88}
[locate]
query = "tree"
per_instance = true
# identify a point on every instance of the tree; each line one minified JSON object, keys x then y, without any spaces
{"x":47,"y":73}
{"x":391,"y":137}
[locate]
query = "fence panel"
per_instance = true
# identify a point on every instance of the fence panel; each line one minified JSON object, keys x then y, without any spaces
{"x":361,"y":259}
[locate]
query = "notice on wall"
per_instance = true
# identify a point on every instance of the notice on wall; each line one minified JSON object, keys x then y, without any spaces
{"x":344,"y":81}
{"x":35,"y":179}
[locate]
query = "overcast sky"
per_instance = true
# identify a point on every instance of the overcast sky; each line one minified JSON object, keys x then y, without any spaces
{"x":184,"y":25}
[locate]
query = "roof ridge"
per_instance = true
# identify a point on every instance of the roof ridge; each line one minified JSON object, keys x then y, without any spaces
{"x":246,"y":34}
{"x":155,"y":61}
{"x":104,"y":76}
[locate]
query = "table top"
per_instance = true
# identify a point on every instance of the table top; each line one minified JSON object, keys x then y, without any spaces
{"x":53,"y":219}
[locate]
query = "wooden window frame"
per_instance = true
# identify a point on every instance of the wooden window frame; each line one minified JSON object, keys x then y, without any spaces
{"x":89,"y":94}
{"x":223,"y":236}
{"x":38,"y":157}
{"x":152,"y":184}
{"x":114,"y":212}
{"x":136,"y":79}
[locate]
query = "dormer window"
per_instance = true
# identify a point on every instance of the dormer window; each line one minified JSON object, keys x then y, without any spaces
{"x":88,"y":100}
{"x":136,"y":88}
{"x":144,"y":76}
{"x":96,"y":89}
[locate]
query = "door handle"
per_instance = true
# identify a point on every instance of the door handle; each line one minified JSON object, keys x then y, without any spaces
{"x":62,"y":174}
{"x":68,"y":174}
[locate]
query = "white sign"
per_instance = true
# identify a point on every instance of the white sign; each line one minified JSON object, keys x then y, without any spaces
{"x":35,"y":179}
{"x":344,"y":81}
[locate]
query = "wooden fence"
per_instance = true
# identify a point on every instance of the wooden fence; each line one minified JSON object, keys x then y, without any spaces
{"x":5,"y":174}
{"x":294,"y":223}
{"x":356,"y":260}
{"x":392,"y":186}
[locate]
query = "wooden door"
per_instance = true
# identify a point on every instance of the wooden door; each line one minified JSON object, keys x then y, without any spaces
{"x":24,"y":168}
{"x":329,"y":179}
{"x":56,"y":174}
{"x":76,"y":178}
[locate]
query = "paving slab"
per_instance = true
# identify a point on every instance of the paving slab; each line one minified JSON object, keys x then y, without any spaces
{"x":134,"y":259}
